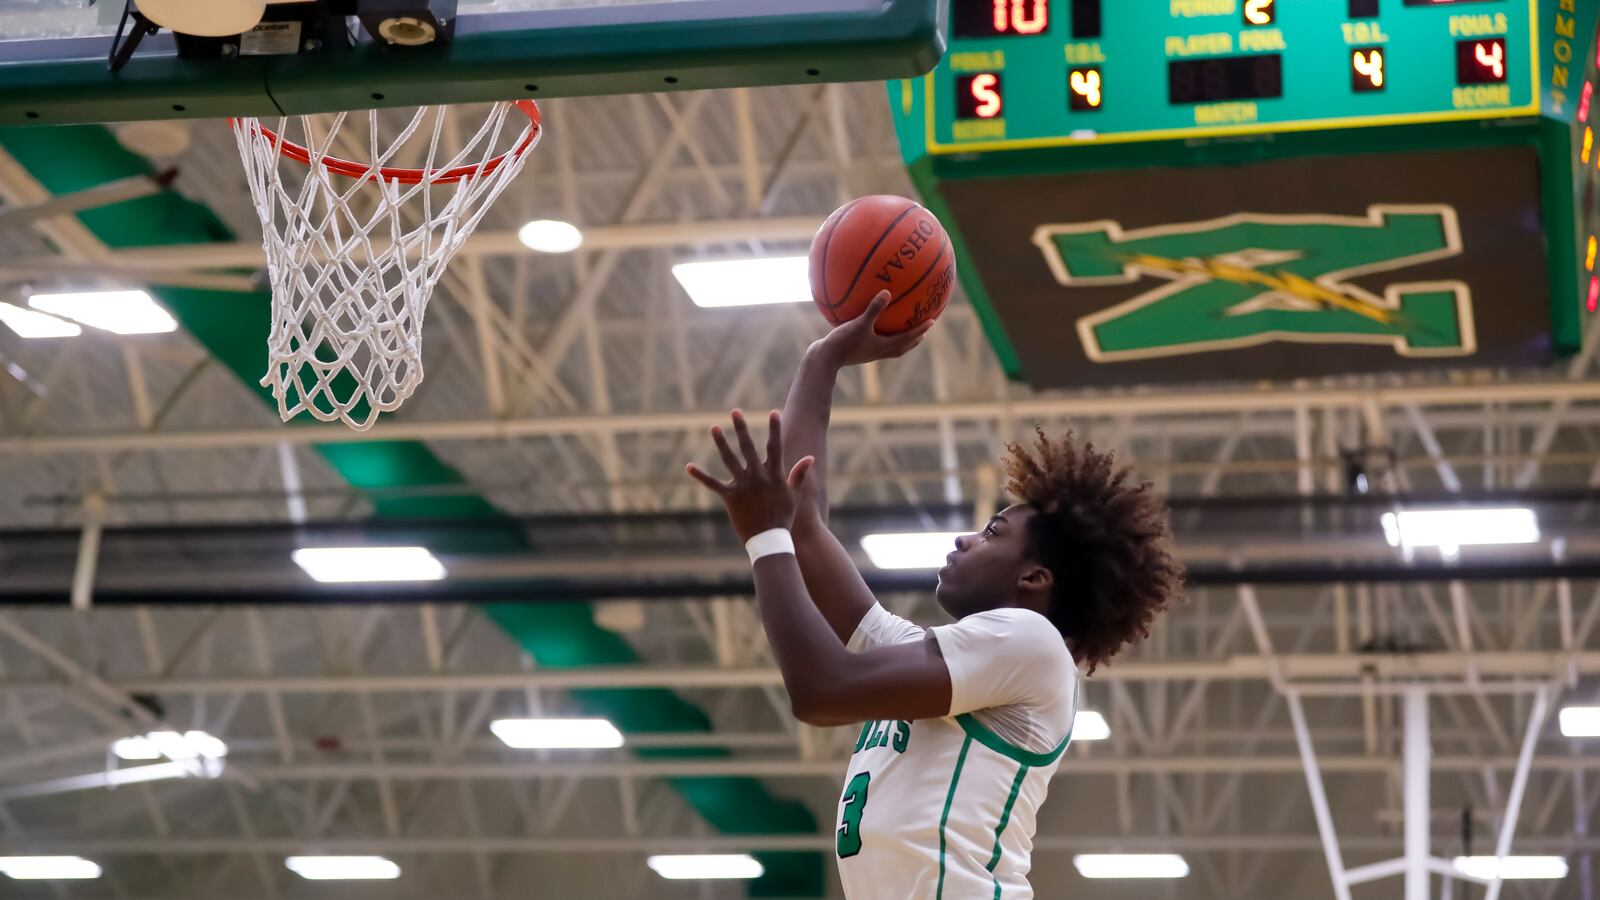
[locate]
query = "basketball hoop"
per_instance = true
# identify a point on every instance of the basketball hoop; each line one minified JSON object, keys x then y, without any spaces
{"x":350,"y":277}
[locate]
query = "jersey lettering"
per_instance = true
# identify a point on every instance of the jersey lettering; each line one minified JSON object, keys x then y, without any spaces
{"x":895,"y":733}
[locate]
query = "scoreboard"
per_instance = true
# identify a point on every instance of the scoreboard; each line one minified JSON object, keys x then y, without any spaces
{"x":1031,"y":73}
{"x":1146,"y":191}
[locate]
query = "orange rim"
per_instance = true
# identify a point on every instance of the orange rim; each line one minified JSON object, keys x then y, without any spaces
{"x":351,"y":169}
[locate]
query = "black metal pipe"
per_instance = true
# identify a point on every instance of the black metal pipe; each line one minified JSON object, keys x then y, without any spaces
{"x":547,"y":591}
{"x":841,"y":514}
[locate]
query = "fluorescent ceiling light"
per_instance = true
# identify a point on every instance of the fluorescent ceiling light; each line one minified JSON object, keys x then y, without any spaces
{"x":342,"y":868}
{"x":746,"y":282}
{"x":1580,"y":721}
{"x":170,"y":745}
{"x":550,"y":236}
{"x":556,"y":734}
{"x":30,"y":324}
{"x":48,"y":867}
{"x":716,"y":865}
{"x":1450,"y":529}
{"x":119,"y":312}
{"x":208,"y":768}
{"x":1520,"y":867}
{"x":347,"y":564}
{"x":1131,"y":865}
{"x":1089,"y":725}
{"x":922,"y":550}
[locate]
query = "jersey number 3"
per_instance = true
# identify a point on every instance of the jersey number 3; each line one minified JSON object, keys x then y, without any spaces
{"x":855,"y":803}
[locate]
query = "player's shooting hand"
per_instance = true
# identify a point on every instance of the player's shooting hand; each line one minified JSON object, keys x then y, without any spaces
{"x":760,"y":495}
{"x":858,"y":341}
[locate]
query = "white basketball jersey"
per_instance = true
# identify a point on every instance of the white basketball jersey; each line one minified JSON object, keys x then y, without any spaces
{"x":945,"y":809}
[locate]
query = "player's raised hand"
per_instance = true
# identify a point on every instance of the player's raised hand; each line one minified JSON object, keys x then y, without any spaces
{"x":760,"y":496}
{"x":858,"y":341}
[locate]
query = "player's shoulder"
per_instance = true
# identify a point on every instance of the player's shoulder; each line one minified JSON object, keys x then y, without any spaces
{"x":1024,"y":631}
{"x":1013,"y":617}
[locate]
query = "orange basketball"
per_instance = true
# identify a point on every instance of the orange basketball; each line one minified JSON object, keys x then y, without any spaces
{"x":879,"y":243}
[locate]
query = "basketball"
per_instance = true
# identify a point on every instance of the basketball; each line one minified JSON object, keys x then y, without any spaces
{"x":879,"y":243}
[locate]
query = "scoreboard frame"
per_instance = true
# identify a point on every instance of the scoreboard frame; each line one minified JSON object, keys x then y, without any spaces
{"x":931,"y":97}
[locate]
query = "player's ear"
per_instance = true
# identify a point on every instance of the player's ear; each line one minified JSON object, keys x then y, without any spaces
{"x":1036,"y":578}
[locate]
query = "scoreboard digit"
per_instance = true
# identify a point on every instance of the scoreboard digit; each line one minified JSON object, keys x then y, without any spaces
{"x":999,"y":18}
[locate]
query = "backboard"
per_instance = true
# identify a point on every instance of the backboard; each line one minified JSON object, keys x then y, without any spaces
{"x":53,"y":55}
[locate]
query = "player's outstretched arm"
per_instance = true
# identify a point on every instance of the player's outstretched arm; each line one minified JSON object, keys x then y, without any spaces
{"x":830,"y":574}
{"x":827,"y":684}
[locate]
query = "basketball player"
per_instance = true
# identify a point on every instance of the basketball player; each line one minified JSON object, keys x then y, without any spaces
{"x":965,"y":723}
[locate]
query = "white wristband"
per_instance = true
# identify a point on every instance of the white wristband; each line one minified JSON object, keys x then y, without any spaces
{"x":769,"y":543}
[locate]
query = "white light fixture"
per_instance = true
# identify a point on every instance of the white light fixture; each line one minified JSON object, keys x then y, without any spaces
{"x":1580,"y":721}
{"x":711,"y":865}
{"x":1089,"y":725}
{"x":1131,"y":865}
{"x":921,"y":550}
{"x":31,"y":324}
{"x":556,"y":734}
{"x":757,"y":281}
{"x":170,"y":745}
{"x":53,"y":868}
{"x":1512,"y":867}
{"x":343,"y":868}
{"x":119,"y":312}
{"x":550,"y":236}
{"x":1452,"y":529}
{"x":348,"y":564}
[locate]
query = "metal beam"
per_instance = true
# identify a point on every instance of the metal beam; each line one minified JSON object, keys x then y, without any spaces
{"x":173,"y":261}
{"x":195,"y":845}
{"x":1188,"y":403}
{"x":1485,"y":665}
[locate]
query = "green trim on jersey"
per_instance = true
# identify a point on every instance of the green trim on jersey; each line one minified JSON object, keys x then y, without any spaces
{"x":955,"y":777}
{"x":1005,"y":819}
{"x":978,"y":732}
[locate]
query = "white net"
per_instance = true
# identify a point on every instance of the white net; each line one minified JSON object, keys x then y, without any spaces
{"x":355,"y":249}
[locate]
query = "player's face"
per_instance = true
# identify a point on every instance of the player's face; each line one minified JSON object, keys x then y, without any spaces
{"x":983,"y":569}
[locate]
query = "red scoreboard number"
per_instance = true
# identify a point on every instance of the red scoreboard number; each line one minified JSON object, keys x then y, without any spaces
{"x":978,"y":96}
{"x":999,"y":18}
{"x":1481,"y":61}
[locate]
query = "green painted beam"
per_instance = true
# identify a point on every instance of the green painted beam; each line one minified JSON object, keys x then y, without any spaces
{"x":233,"y":328}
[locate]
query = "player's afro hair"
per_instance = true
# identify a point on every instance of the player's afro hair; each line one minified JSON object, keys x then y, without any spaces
{"x":1106,"y":541}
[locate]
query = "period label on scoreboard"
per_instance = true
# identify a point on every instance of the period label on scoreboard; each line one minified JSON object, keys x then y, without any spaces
{"x":1037,"y":73}
{"x":1285,"y":269}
